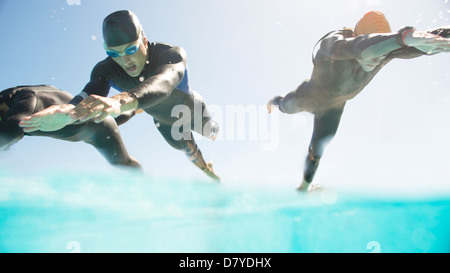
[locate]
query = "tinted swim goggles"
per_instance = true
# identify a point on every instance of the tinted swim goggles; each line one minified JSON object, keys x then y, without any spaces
{"x":129,"y":51}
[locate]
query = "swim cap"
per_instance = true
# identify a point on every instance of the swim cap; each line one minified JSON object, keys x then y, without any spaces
{"x":120,"y":28}
{"x":372,"y":22}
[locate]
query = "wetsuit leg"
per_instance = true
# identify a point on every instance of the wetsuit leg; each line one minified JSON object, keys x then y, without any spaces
{"x":325,"y":128}
{"x":104,"y":136}
{"x":202,"y":121}
{"x":188,"y":145}
{"x":166,"y":132}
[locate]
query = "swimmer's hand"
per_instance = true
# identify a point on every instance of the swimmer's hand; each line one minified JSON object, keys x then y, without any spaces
{"x":275,"y":102}
{"x":98,"y":107}
{"x":50,"y":119}
{"x":426,"y":42}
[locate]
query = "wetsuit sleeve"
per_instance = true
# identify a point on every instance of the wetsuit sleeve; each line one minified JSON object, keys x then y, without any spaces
{"x":412,"y":52}
{"x":407,"y":53}
{"x":98,"y":85}
{"x":23,"y":105}
{"x":368,"y":46}
{"x":124,"y":117}
{"x":168,"y":75}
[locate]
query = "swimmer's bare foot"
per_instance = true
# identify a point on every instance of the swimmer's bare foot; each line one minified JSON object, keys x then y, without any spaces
{"x":196,"y":157}
{"x":210,"y":172}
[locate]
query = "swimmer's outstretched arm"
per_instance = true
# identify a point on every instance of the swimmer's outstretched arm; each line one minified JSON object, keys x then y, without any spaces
{"x":126,"y":116}
{"x":168,"y":76}
{"x":427,"y":41}
{"x":371,"y":46}
{"x":57,"y":116}
{"x":95,"y":105}
{"x":150,"y":92}
{"x":50,"y":119}
{"x":361,"y":47}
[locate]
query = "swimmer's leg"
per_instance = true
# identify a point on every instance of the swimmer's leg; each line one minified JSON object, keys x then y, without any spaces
{"x":325,"y":128}
{"x":189,"y":147}
{"x":202,"y":121}
{"x":196,"y":157}
{"x":105,"y":137}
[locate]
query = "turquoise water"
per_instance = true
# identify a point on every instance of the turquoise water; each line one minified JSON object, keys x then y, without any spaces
{"x":120,"y":212}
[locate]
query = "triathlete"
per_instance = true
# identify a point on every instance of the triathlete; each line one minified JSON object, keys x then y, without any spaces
{"x":22,"y":101}
{"x":345,"y":63}
{"x":150,"y":76}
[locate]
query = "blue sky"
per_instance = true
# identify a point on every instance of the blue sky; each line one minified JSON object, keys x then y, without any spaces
{"x":395,"y":133}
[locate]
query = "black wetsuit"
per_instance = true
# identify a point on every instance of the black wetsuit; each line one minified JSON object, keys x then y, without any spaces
{"x":156,"y":95}
{"x":338,"y":77}
{"x":24,"y":101}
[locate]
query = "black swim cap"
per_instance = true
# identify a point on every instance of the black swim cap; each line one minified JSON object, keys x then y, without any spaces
{"x":121,"y":27}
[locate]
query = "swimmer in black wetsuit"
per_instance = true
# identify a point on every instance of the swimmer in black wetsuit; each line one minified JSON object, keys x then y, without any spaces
{"x":150,"y":76}
{"x":345,"y":63}
{"x":22,"y":101}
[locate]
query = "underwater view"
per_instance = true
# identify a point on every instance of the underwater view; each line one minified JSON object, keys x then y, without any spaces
{"x":89,"y":86}
{"x":69,"y":212}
